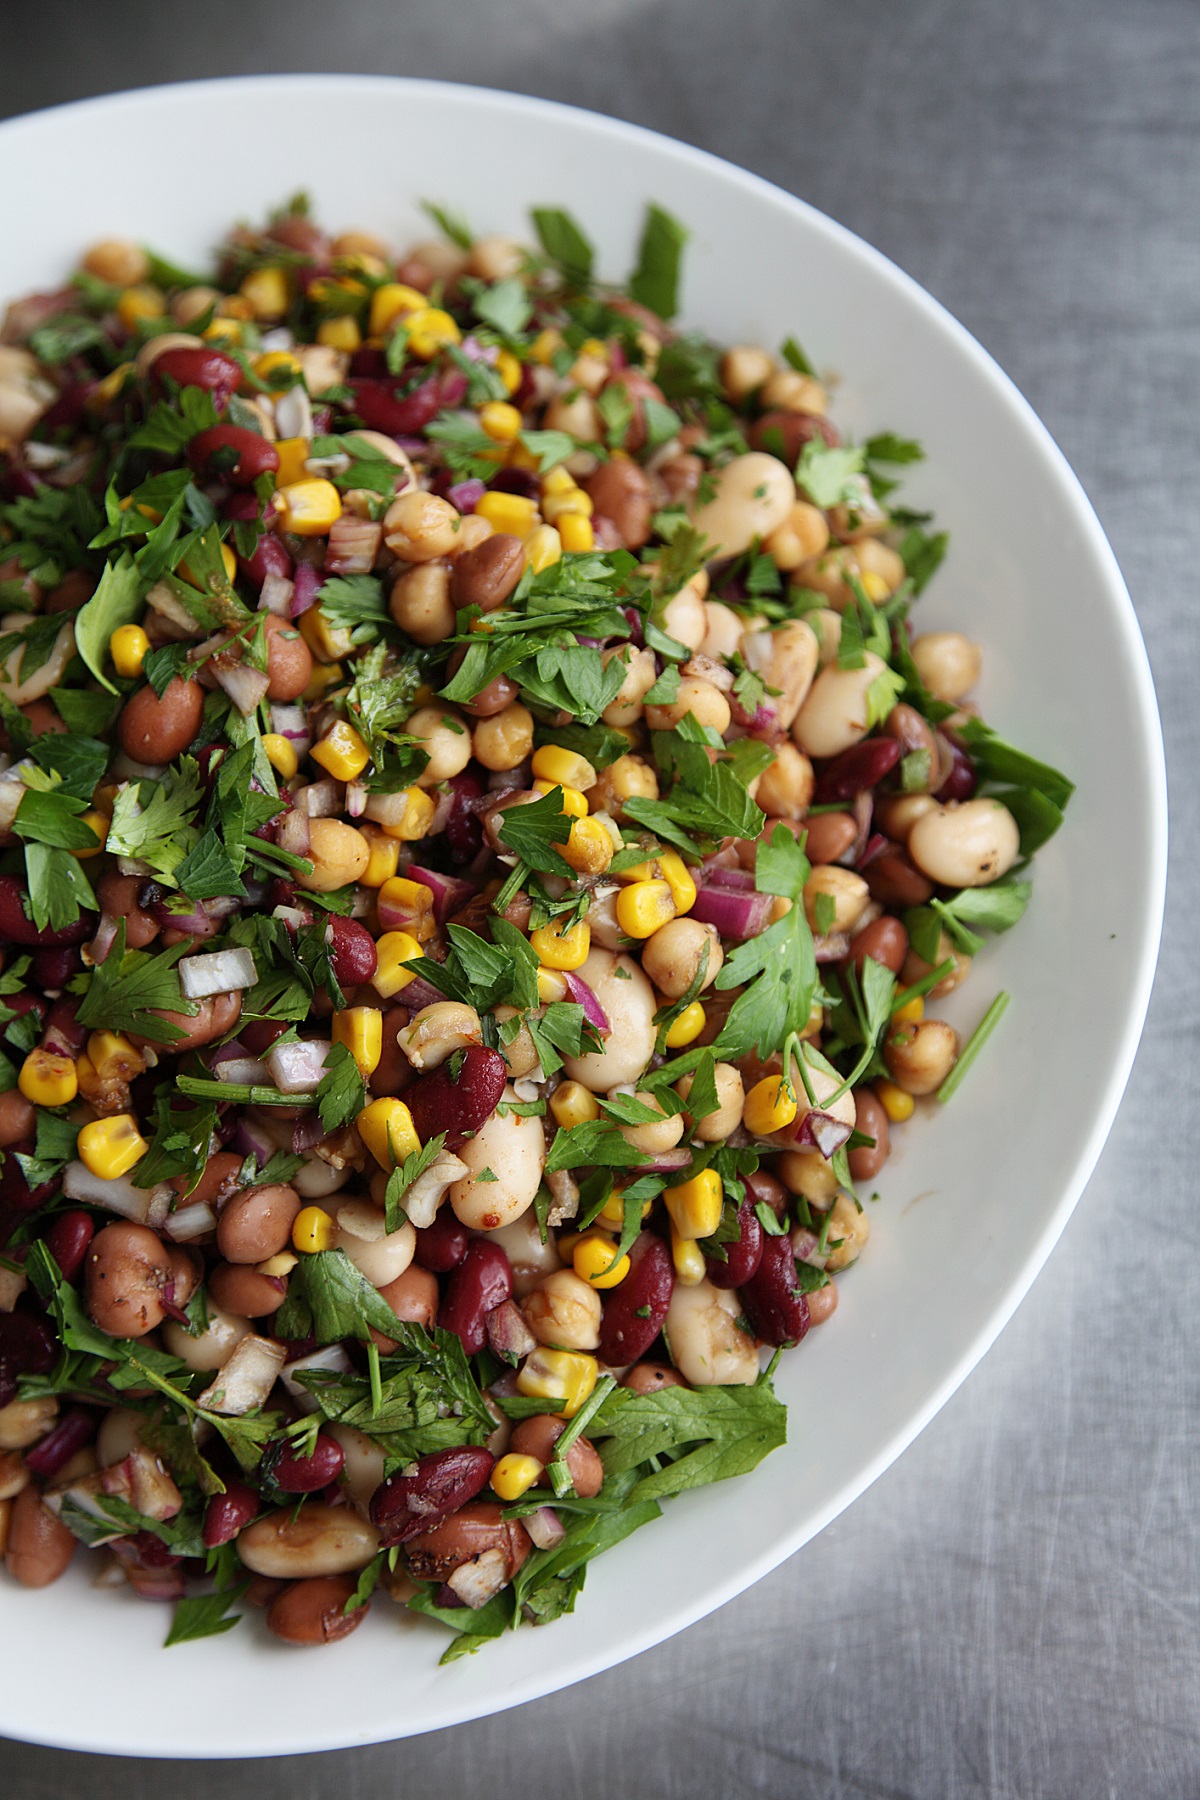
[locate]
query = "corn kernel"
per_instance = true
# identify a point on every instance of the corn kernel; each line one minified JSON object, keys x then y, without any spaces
{"x":223,"y":331}
{"x":514,"y":1475}
{"x":559,"y":949}
{"x":391,"y":302}
{"x":234,"y":306}
{"x":308,"y":508}
{"x":559,"y":481}
{"x":106,"y":391}
{"x":99,"y":823}
{"x":686,"y":1254}
{"x":335,"y":292}
{"x":593,"y":1261}
{"x":430,"y":330}
{"x":281,"y":754}
{"x":613,"y":1210}
{"x":589,"y":849}
{"x":514,"y":514}
{"x":561,"y":503}
{"x":545,"y":344}
{"x":128,"y":646}
{"x":293,"y":455}
{"x":341,"y":333}
{"x":770,"y":1106}
{"x":278,"y":363}
{"x":113,"y":1056}
{"x":572,"y":1104}
{"x":324,"y":676}
{"x":360,"y":1028}
{"x":48,"y":1078}
{"x":644,"y":908}
{"x":911,"y":1013}
{"x":895,"y":1102}
{"x":342,"y":752}
{"x":394,"y":949}
{"x":313,"y":1230}
{"x":572,"y":802}
{"x":417,"y":818}
{"x":874,"y":586}
{"x":566,"y":1375}
{"x":576,"y":534}
{"x":142,"y":302}
{"x":551,"y":986}
{"x":147,"y":512}
{"x":520,"y":458}
{"x":509,"y":370}
{"x":687,"y":1027}
{"x":565,"y":767}
{"x":279,"y":1265}
{"x":110,"y":1147}
{"x":327,"y":642}
{"x":500,"y":420}
{"x":385,"y":855}
{"x":386,"y":1128}
{"x":267,"y":291}
{"x":543,"y":548}
{"x":695,"y":1205}
{"x":678,"y":878}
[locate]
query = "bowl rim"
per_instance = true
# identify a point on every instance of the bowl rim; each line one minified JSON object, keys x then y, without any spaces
{"x":308,"y":1736}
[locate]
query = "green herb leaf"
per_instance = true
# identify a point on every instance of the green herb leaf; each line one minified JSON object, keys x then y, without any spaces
{"x":564,"y":244}
{"x":655,"y":280}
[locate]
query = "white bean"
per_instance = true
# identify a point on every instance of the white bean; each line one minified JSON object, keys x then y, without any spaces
{"x":753,"y":496}
{"x":965,"y":844}
{"x":522,"y":1243}
{"x":834,"y":716}
{"x":21,"y":691}
{"x":377,"y":1253}
{"x":722,"y":631}
{"x":787,"y":661}
{"x":684,"y":617}
{"x":315,"y":1539}
{"x":511,"y":1148}
{"x":362,"y":1471}
{"x":213,"y":1347}
{"x":437,"y":1031}
{"x":707,"y":1345}
{"x":629,"y":1001}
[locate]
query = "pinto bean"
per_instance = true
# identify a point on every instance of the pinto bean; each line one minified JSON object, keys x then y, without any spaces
{"x":258,"y":1223}
{"x":914,"y":735}
{"x":651,"y":1378}
{"x":468,"y":1533}
{"x":488,"y":574}
{"x":313,"y":1539}
{"x":872,"y":1121}
{"x":127,"y":1269}
{"x":39,"y":1546}
{"x":537,"y":1437}
{"x":17,"y":1117}
{"x":214,"y":1016}
{"x":620,"y":491}
{"x":830,"y":835}
{"x":894,"y":881}
{"x":884,"y":941}
{"x":413,"y":1297}
{"x":154,"y":730}
{"x":634,"y":1312}
{"x":314,"y":1611}
{"x":289,"y":660}
{"x":238,"y":1288}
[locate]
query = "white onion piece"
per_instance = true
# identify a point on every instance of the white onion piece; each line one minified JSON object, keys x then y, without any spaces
{"x":276,"y":596}
{"x":293,"y":833}
{"x":244,"y":1071}
{"x":246,"y":1379}
{"x":292,"y":916}
{"x":12,"y":792}
{"x":333,"y":1358}
{"x":163,"y":600}
{"x":119,"y":1196}
{"x":545,"y":1527}
{"x":244,"y":685}
{"x":190,"y":1222}
{"x":476,"y":1582}
{"x":356,"y":799}
{"x":293,"y":414}
{"x":221,"y":972}
{"x":298,"y":1068}
{"x":289,"y":721}
{"x":321,"y":799}
{"x":124,"y":768}
{"x":387,"y":809}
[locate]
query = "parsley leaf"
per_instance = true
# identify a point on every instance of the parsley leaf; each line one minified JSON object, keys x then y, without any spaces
{"x":827,"y":475}
{"x":655,"y":280}
{"x":777,"y":969}
{"x":709,"y":1434}
{"x":127,"y":984}
{"x":58,"y":887}
{"x":533,"y":831}
{"x":341,"y":1092}
{"x":564,"y":244}
{"x":116,"y":601}
{"x":152,"y":821}
{"x":204,"y":1615}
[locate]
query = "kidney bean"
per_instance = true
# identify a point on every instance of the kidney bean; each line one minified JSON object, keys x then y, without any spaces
{"x":68,"y":1238}
{"x":239,"y":1289}
{"x":621,"y":492}
{"x":468,"y":1533}
{"x":772,"y":1299}
{"x":442,"y":1245}
{"x":157,"y":731}
{"x":54,"y":968}
{"x":516,"y":481}
{"x":962,"y":780}
{"x":884,"y":941}
{"x":257,"y":1223}
{"x":17,"y":928}
{"x":404,"y":1506}
{"x":241,"y":508}
{"x":76,"y":1428}
{"x":862,"y":766}
{"x":537,"y":1437}
{"x":830,"y":835}
{"x":39,"y":1545}
{"x":27,"y":1347}
{"x":651,"y":1378}
{"x":438,"y":1102}
{"x":634,"y":1312}
{"x":62,"y":1032}
{"x":126,"y":1270}
{"x":297,"y":1474}
{"x":482,"y":1280}
{"x":270,"y":558}
{"x":872,"y":1121}
{"x":314,"y":1611}
{"x":913,"y":734}
{"x":219,"y":375}
{"x":17,"y":1117}
{"x":15,"y":1191}
{"x":381,"y":406}
{"x":232,"y":453}
{"x":352,"y":954}
{"x":464,"y":828}
{"x":894,"y":880}
{"x":742,"y":1257}
{"x":226,"y":1514}
{"x":393,"y":1074}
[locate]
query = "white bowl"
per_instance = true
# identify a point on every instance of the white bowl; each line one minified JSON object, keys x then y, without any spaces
{"x":1029,"y":573}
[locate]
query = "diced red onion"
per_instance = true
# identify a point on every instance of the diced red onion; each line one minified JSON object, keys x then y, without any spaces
{"x":833,"y":948}
{"x":250,"y":1138}
{"x":821,"y":1131}
{"x":734,"y":881}
{"x":190,"y":1222}
{"x":507,"y":1332}
{"x":105,"y":938}
{"x":666,"y":1162}
{"x":450,"y":892}
{"x":735,"y":915}
{"x":356,"y":799}
{"x":225,"y":972}
{"x":307,"y":1132}
{"x":306,"y":582}
{"x":353,"y":545}
{"x":419,"y":993}
{"x":875,"y":846}
{"x":297,"y":1067}
{"x":466,"y":495}
{"x":276,"y":596}
{"x":583,"y":995}
{"x":227,"y":1052}
{"x":244,"y":685}
{"x":545,"y":1528}
{"x":196,"y":923}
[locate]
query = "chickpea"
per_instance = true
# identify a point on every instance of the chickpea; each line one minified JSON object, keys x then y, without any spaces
{"x":920,"y":1056}
{"x":654,"y":1139}
{"x":289,"y":660}
{"x":803,"y":534}
{"x":715,"y":1127}
{"x":707,"y":1344}
{"x":118,"y":261}
{"x":420,"y":601}
{"x":806,"y":1172}
{"x":744,"y":367}
{"x":629,"y":778}
{"x":505,"y":740}
{"x":684,"y":617}
{"x":874,"y":558}
{"x":966,"y":844}
{"x":257,"y":1223}
{"x":752,"y":496}
{"x":916,"y":968}
{"x":192,"y":303}
{"x":211,"y":1348}
{"x":786,"y":659}
{"x":446,"y":739}
{"x":706,"y":703}
{"x":785,"y":788}
{"x":420,"y":527}
{"x":672,"y":956}
{"x":563,"y":1312}
{"x":788,"y":390}
{"x":948,"y":663}
{"x":640,"y":675}
{"x":848,"y":892}
{"x":157,"y":731}
{"x":577,"y":415}
{"x":834,"y":715}
{"x":339,"y":853}
{"x":722,"y":631}
{"x":849,"y":1229}
{"x":495,"y":258}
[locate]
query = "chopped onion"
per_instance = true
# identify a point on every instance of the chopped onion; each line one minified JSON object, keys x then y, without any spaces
{"x":290,"y":722}
{"x":666,"y":1162}
{"x":353,"y":545}
{"x":821,"y":1131}
{"x":323,"y":800}
{"x":163,"y":600}
{"x":333,"y":1358}
{"x":250,"y":1138}
{"x":735,"y":915}
{"x":293,"y":833}
{"x":276,"y":596}
{"x":293,"y":413}
{"x":478,"y":1581}
{"x":507,"y":1332}
{"x":225,"y":972}
{"x":356,"y":799}
{"x":387,"y":809}
{"x":739,"y":881}
{"x":190,"y":1222}
{"x":297,"y":1067}
{"x":119,"y":1195}
{"x":450,"y":892}
{"x":583,"y":995}
{"x":243,"y":1071}
{"x":12,"y":792}
{"x":307,"y":1132}
{"x":419,"y":993}
{"x":306,"y":584}
{"x":244,"y":685}
{"x":244,"y":1382}
{"x":545,"y":1527}
{"x":832,"y":948}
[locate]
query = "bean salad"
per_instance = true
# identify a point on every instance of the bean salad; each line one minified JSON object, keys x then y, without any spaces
{"x":482,"y":845}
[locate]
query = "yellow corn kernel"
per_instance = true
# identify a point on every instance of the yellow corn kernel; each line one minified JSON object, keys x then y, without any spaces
{"x":514,"y":1475}
{"x":234,"y":306}
{"x":390,"y":302}
{"x":142,"y":302}
{"x":327,"y":642}
{"x":292,"y":454}
{"x":559,"y":949}
{"x":99,"y":822}
{"x":360,"y":1028}
{"x":500,"y":420}
{"x":911,"y":1013}
{"x":572,"y":801}
{"x":128,"y":646}
{"x":543,"y":548}
{"x":308,"y":508}
{"x":695,"y":1205}
{"x":324,"y":676}
{"x":113,"y":1056}
{"x":551,"y":986}
{"x":770,"y":1106}
{"x":572,"y":1104}
{"x":48,"y":1078}
{"x":514,"y":514}
{"x":110,"y":1147}
{"x":342,"y":751}
{"x":267,"y":291}
{"x":385,"y":855}
{"x":686,"y":1254}
{"x":559,"y":481}
{"x":394,"y":949}
{"x":281,"y":754}
{"x":106,"y":391}
{"x":430,"y":330}
{"x":386,"y":1128}
{"x":313,"y":1230}
{"x":687,"y":1027}
{"x":613,"y":1210}
{"x":281,"y":1264}
{"x":417,"y":819}
{"x":644,"y":908}
{"x":341,"y":333}
{"x":593,"y":1261}
{"x":562,"y":503}
{"x":337,"y":290}
{"x":147,"y":512}
{"x":678,"y":878}
{"x":545,"y":344}
{"x":223,"y":331}
{"x":589,"y":849}
{"x":576,"y":534}
{"x":566,"y":1375}
{"x":874,"y":586}
{"x":520,"y":458}
{"x":509,"y":370}
{"x":564,"y":767}
{"x":278,"y":364}
{"x":895,"y":1102}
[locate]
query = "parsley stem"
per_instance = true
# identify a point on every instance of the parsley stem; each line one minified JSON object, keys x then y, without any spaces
{"x":974,"y":1045}
{"x":915,"y":989}
{"x":556,"y":1468}
{"x":240,"y":1092}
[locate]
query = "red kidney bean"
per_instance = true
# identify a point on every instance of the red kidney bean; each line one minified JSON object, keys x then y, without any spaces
{"x":232,"y":453}
{"x":297,"y":1474}
{"x":872,"y":1121}
{"x":226,"y":1513}
{"x":270,"y":558}
{"x":68,"y":1238}
{"x":76,"y":1428}
{"x":962,"y":780}
{"x":27,"y":1347}
{"x":352,"y":954}
{"x":17,"y":928}
{"x":54,"y":968}
{"x":381,"y":406}
{"x":785,"y":434}
{"x":260,"y":1034}
{"x":772,"y":1299}
{"x":884,"y":941}
{"x":438,"y":1102}
{"x":219,"y":375}
{"x":760,"y":1185}
{"x":314,"y":1611}
{"x":241,"y":508}
{"x":862,"y":766}
{"x":743,"y":1257}
{"x":404,"y":1506}
{"x":634,"y":1312}
{"x":442,"y":1245}
{"x":894,"y":881}
{"x":62,"y":1031}
{"x":464,"y":828}
{"x":482,"y":1280}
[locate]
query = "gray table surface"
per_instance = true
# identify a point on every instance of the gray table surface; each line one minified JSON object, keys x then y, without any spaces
{"x":1012,"y":1609}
